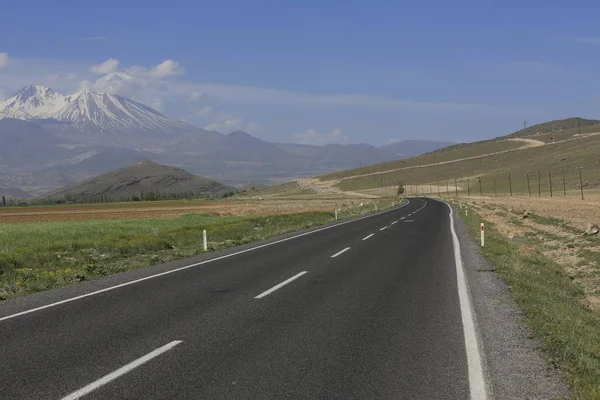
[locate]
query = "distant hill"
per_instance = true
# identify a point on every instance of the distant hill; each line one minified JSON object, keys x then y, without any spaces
{"x":14,"y":193}
{"x":555,"y":126}
{"x":561,"y":148}
{"x":145,"y":176}
{"x":412,"y":148}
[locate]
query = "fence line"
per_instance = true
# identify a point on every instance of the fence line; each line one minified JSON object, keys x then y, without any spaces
{"x":512,"y":184}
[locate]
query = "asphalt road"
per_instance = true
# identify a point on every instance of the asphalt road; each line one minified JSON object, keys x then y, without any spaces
{"x":298,"y":319}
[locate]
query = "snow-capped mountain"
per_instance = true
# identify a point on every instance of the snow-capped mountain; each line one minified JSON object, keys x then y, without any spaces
{"x":33,"y":102}
{"x":87,"y":111}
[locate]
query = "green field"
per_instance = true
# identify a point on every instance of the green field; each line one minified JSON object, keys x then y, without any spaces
{"x":36,"y":256}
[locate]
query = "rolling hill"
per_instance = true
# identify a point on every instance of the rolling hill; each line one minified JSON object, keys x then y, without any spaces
{"x":551,"y":151}
{"x":145,"y":177}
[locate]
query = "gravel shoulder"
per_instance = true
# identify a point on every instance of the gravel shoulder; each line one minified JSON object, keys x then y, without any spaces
{"x":515,"y":365}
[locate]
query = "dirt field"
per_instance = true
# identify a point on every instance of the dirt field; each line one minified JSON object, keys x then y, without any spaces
{"x":563,"y":242}
{"x":576,"y":212}
{"x":137,"y":211}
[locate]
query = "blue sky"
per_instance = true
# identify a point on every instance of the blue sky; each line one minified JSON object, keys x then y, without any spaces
{"x":319,"y":71}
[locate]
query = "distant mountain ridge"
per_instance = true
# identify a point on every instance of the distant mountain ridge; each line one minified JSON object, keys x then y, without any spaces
{"x":14,"y":193}
{"x":48,"y":139}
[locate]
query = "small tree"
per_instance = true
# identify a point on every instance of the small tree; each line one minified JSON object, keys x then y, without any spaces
{"x":3,"y":201}
{"x":400,"y":189}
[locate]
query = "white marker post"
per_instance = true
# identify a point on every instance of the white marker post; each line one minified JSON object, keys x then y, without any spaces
{"x":336,"y":211}
{"x":482,"y":235}
{"x":375,"y":206}
{"x":466,"y":212}
{"x":204,"y":243}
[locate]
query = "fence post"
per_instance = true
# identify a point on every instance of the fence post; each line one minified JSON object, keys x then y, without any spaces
{"x":204,"y":242}
{"x":539,"y":184}
{"x":510,"y":183}
{"x":528,"y":186}
{"x":581,"y":183}
{"x":480,"y":189}
{"x":550,"y":182}
{"x":456,"y":187}
{"x":482,"y":235}
{"x":438,"y":186}
{"x":564,"y":184}
{"x":430,"y":190}
{"x":468,"y":187}
{"x":447,"y":189}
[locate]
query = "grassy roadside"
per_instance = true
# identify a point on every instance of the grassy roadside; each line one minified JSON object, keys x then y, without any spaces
{"x":569,"y":331}
{"x":45,"y":255}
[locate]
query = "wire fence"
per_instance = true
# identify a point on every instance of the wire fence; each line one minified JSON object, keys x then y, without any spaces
{"x":553,"y":184}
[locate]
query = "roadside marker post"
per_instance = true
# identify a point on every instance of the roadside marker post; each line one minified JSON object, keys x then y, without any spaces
{"x":375,"y":206}
{"x":204,"y":242}
{"x":482,"y":235}
{"x":336,"y":217}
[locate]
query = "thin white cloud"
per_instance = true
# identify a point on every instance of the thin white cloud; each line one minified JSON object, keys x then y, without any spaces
{"x":266,"y":96}
{"x":108,"y":66}
{"x":311,"y":136}
{"x":85,"y":85}
{"x":196,"y":95}
{"x":51,"y":78}
{"x":4,"y":60}
{"x":167,"y":68}
{"x":227,"y":122}
{"x":205,"y":112}
{"x":71,"y":76}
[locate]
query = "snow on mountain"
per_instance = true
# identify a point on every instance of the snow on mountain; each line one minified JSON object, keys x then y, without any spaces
{"x":32,"y":102}
{"x":87,"y":111}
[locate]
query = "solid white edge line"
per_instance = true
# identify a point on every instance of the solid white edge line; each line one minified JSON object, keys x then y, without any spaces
{"x":367,"y":237}
{"x":477,"y":383}
{"x":282,"y":284}
{"x":384,"y":228}
{"x":393,"y":223}
{"x":340,"y":252}
{"x":121,"y":371}
{"x":193,"y":265}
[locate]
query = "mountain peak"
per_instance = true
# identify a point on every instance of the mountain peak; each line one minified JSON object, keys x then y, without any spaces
{"x":87,"y":111}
